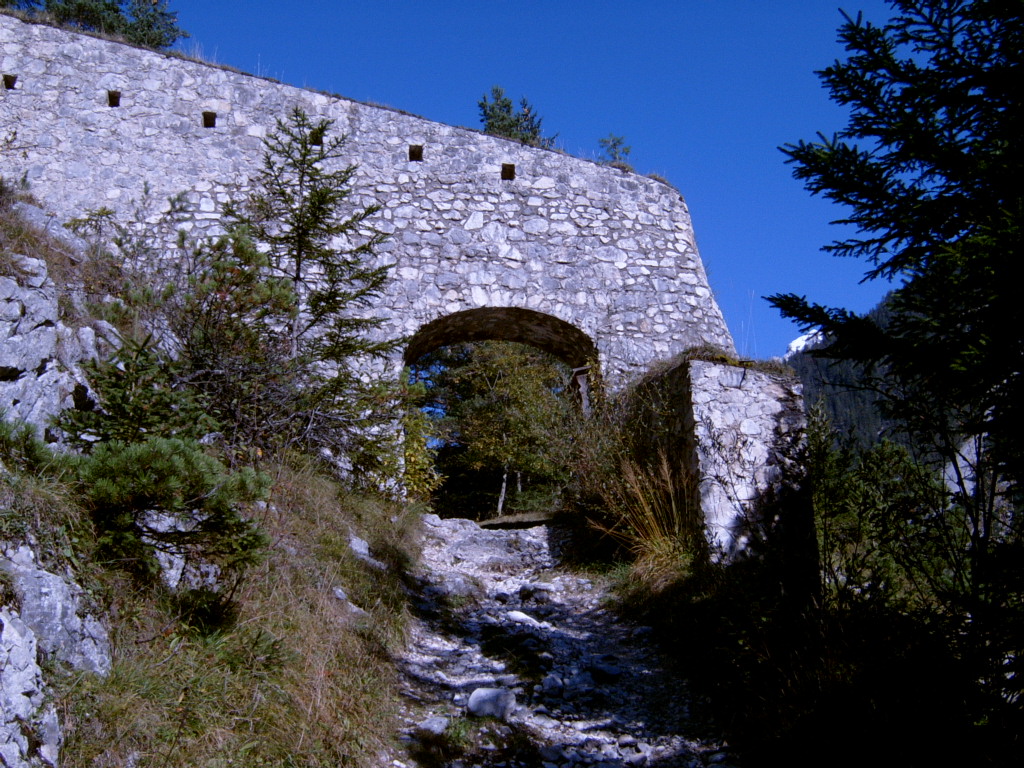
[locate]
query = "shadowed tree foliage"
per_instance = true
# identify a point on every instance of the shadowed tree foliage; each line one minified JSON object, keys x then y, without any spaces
{"x":927,"y":169}
{"x":847,"y":393}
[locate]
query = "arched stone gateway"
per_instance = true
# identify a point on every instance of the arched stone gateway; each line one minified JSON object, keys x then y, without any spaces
{"x":489,"y":238}
{"x":556,"y":337}
{"x":548,"y":334}
{"x":474,"y":221}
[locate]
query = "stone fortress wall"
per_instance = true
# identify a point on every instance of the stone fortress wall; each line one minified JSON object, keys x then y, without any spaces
{"x":566,"y":254}
{"x":586,"y":256}
{"x":489,"y":237}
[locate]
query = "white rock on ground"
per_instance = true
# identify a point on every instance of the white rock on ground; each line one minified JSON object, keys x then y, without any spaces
{"x":588,"y":688}
{"x":29,"y":736}
{"x":52,"y":609}
{"x":491,"y":702}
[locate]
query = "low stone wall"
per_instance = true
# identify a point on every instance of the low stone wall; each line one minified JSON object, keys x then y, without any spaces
{"x":747,"y":427}
{"x":734,"y":429}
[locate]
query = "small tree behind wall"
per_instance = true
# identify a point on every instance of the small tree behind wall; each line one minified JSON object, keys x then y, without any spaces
{"x":501,"y":118}
{"x":143,"y":22}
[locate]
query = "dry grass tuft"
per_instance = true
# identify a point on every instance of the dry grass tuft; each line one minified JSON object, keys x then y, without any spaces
{"x":92,"y":276}
{"x":18,"y":237}
{"x":654,"y":516}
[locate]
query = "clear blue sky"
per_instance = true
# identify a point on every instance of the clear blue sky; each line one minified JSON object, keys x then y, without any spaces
{"x":705,"y":91}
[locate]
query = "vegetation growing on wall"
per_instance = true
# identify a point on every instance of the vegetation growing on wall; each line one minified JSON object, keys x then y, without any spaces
{"x":143,"y":22}
{"x":501,"y":118}
{"x":615,"y":152}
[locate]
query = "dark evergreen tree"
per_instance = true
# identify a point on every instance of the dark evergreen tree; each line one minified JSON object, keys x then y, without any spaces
{"x":142,"y":394}
{"x":229,"y":321}
{"x":129,"y":487}
{"x":148,"y":482}
{"x":848,"y":393}
{"x":149,"y":23}
{"x":299,"y":212}
{"x":928,"y":168}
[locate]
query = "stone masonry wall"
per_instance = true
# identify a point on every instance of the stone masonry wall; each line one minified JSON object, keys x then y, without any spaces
{"x":747,"y":427}
{"x":734,"y":429}
{"x":609,"y":253}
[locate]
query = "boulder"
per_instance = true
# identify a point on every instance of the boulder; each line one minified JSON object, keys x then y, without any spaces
{"x":30,"y":735}
{"x":491,"y":702}
{"x":52,"y":609}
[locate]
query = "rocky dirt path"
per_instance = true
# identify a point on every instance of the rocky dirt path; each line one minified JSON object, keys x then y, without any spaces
{"x":508,"y":634}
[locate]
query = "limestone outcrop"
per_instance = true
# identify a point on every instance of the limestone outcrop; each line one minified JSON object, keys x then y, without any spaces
{"x":53,"y":609}
{"x":41,"y":348}
{"x":29,"y":731}
{"x":42,"y":616}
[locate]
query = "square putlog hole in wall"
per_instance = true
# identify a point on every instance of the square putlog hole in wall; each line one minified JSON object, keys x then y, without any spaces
{"x":415,"y":153}
{"x":508,"y":171}
{"x":10,"y":81}
{"x":113,"y":98}
{"x":209,"y":119}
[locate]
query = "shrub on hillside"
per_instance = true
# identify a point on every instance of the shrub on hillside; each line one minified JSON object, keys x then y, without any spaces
{"x":145,"y":478}
{"x":879,"y":661}
{"x":141,"y":395}
{"x":166,"y":494}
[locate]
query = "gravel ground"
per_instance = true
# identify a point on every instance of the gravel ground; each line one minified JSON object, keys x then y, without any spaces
{"x":515,"y":662}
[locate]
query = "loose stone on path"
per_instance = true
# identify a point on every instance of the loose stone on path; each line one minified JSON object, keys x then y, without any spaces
{"x":530,"y":664}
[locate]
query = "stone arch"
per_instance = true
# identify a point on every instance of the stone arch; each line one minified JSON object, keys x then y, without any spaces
{"x":545,"y":332}
{"x":557,"y":337}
